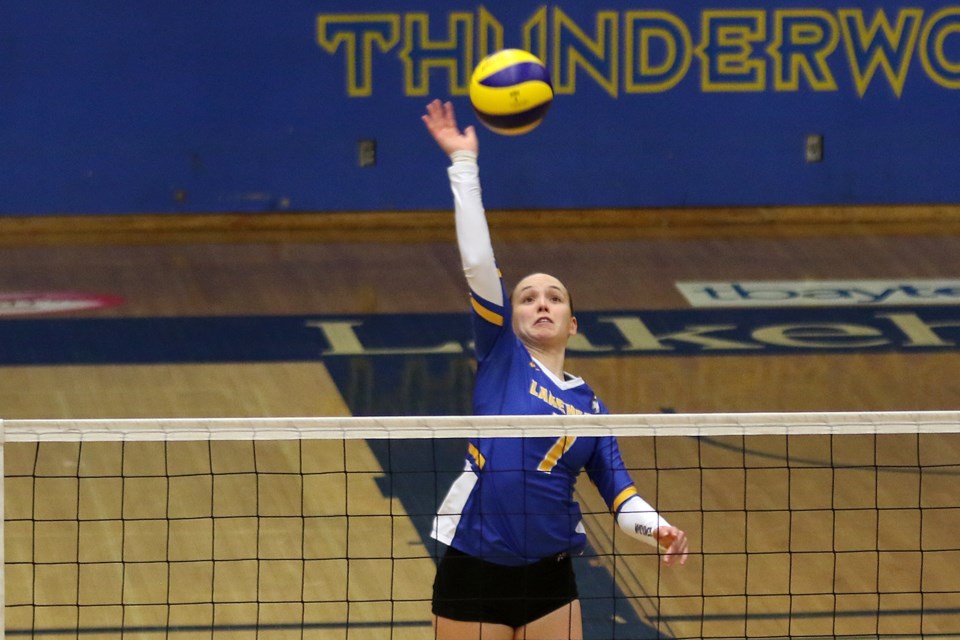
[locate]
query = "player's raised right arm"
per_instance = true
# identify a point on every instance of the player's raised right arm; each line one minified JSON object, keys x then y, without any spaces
{"x":473,"y":234}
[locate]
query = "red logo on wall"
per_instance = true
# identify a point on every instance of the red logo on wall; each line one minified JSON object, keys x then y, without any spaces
{"x":32,"y":302}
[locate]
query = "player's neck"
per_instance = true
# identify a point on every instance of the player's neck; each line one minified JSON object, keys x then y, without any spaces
{"x":551,"y":359}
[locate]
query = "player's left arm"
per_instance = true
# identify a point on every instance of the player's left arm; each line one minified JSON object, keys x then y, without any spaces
{"x":641,"y":521}
{"x":634,"y":515}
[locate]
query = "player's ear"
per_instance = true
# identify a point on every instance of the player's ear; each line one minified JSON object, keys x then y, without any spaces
{"x":573,"y":326}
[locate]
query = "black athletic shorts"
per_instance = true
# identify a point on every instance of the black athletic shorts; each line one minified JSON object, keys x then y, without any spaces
{"x":472,"y":590}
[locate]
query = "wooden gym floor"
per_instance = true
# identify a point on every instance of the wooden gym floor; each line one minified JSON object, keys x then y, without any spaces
{"x":169,"y":267}
{"x":239,"y":266}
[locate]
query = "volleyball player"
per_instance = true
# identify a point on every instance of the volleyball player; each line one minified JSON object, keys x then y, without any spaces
{"x":509,"y":521}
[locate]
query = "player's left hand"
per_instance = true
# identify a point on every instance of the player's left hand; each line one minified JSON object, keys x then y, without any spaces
{"x":673,"y":543}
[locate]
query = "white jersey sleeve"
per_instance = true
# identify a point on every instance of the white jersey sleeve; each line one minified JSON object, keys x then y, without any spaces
{"x":473,"y":234}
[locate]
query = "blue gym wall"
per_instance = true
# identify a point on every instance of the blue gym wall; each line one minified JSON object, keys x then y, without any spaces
{"x":110,"y":106}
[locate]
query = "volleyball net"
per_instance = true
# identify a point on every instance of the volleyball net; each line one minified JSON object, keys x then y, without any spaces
{"x":801,"y":525}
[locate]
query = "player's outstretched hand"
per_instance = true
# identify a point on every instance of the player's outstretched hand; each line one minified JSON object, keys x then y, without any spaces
{"x":673,"y":542}
{"x":442,"y":124}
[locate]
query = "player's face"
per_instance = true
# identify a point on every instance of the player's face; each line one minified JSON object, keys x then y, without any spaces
{"x":541,"y":312}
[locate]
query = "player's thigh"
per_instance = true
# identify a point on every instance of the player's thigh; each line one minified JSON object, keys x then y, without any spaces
{"x":447,"y":629}
{"x":565,"y":623}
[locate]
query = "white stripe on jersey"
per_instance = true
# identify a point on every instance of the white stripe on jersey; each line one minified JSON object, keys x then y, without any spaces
{"x":448,"y":515}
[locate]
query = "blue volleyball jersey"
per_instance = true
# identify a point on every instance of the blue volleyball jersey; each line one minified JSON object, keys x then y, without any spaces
{"x":514,"y":502}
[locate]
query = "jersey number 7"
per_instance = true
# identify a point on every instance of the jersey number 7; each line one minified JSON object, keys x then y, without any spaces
{"x":560,"y":447}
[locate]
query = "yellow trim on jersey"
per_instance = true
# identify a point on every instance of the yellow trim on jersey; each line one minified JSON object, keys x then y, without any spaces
{"x":486,"y":314}
{"x":625,"y":495}
{"x":476,"y":455}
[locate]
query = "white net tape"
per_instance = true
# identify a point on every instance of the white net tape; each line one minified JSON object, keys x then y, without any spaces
{"x":643,"y":425}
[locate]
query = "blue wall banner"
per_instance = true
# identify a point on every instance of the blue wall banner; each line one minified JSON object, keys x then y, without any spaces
{"x":296,"y":105}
